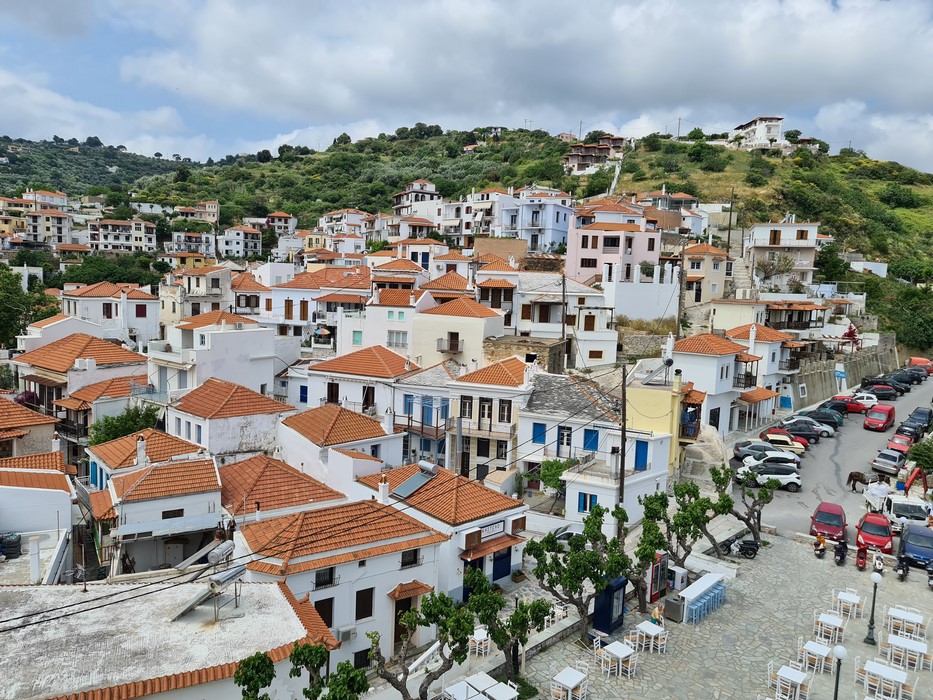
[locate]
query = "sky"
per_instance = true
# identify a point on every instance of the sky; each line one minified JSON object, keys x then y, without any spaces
{"x":210,"y":77}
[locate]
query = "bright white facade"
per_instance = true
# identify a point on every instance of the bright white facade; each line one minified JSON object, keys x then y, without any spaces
{"x":115,"y":236}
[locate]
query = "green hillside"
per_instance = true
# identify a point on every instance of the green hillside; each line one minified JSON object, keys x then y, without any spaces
{"x":72,"y":166}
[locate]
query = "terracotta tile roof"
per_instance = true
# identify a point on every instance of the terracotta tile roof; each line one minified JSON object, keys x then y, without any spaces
{"x":708,"y":344}
{"x":12,"y":415}
{"x":747,"y":357}
{"x":497,"y":284}
{"x":279,"y":215}
{"x":452,"y":256}
{"x":331,"y":424}
{"x":218,"y":398}
{"x":612,"y":226}
{"x":401,"y":265}
{"x":704,"y":249}
{"x":691,"y":395}
{"x":498,"y":266}
{"x":60,"y":355}
{"x":245,"y":282}
{"x":412,"y":589}
{"x":110,"y":290}
{"x":49,"y":321}
{"x":389,"y":279}
{"x":384,"y":254}
{"x":757,"y":395}
{"x":448,"y":497}
{"x":121,"y":453}
{"x":341,"y":277}
{"x":508,"y":372}
{"x":167,"y":479}
{"x":793,"y":344}
{"x":272,"y":484}
{"x":102,"y":505}
{"x":53,"y":292}
{"x":396,"y":297}
{"x":695,"y":278}
{"x":34,"y":480}
{"x":338,"y":298}
{"x":463,"y":307}
{"x":359,"y":530}
{"x":374,"y":361}
{"x":449,"y":281}
{"x":54,"y":461}
{"x":763,"y":333}
{"x":12,"y":434}
{"x":213,"y":318}
{"x":419,"y":241}
{"x":356,"y":454}
{"x":117,"y":387}
{"x":198,"y":271}
{"x":318,"y":632}
{"x":72,"y":404}
{"x":487,"y":258}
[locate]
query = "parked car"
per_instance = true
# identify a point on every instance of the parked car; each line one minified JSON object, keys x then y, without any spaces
{"x":883,"y":392}
{"x":786,"y":475}
{"x":917,"y":544}
{"x":851,"y":404}
{"x":900,"y":442}
{"x":911,"y":430}
{"x":756,"y":448}
{"x":897,"y":385}
{"x":874,"y":531}
{"x":829,"y":520}
{"x":865,"y":398}
{"x":918,"y":372}
{"x":805,"y":431}
{"x":889,"y":462}
{"x":826,"y":416}
{"x":924,"y":413}
{"x":904,"y":377}
{"x":880,"y":418}
{"x":565,"y":532}
{"x":801,"y":420}
{"x":917,"y":422}
{"x":872,"y":383}
{"x":785,"y":441}
{"x":923,"y":362}
{"x":777,"y":457}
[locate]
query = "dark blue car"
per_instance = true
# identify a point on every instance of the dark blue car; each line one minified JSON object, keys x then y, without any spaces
{"x":917,"y":544}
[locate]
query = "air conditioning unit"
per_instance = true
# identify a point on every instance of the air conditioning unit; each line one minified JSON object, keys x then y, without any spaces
{"x":346,"y":634}
{"x":238,"y":325}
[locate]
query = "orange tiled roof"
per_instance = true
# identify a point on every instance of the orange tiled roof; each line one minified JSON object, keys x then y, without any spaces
{"x":60,"y":355}
{"x":400,"y":265}
{"x":199,"y":271}
{"x":279,"y":215}
{"x":356,"y":454}
{"x":708,"y":344}
{"x":612,"y":226}
{"x":12,"y":434}
{"x":331,"y":424}
{"x":338,"y":298}
{"x":757,"y":395}
{"x":412,"y":589}
{"x":121,"y":452}
{"x":448,"y":497}
{"x":508,"y":372}
{"x":269,"y":484}
{"x":167,"y":479}
{"x":452,"y":256}
{"x":397,"y":297}
{"x":111,"y":388}
{"x":747,"y":357}
{"x":496,"y":283}
{"x":463,"y":307}
{"x":374,"y":361}
{"x":245,"y":282}
{"x":49,"y":321}
{"x":359,"y":530}
{"x":54,"y":461}
{"x":449,"y":281}
{"x":340,"y":277}
{"x":497,"y":266}
{"x":12,"y":415}
{"x":704,"y":249}
{"x":213,"y":318}
{"x":218,"y":398}
{"x":691,"y":395}
{"x":102,"y":505}
{"x":487,"y":258}
{"x":34,"y":480}
{"x":111,"y":291}
{"x":763,"y":333}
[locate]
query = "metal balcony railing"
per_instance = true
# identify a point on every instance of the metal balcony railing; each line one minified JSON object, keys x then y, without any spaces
{"x":447,"y":345}
{"x":327,"y":583}
{"x":689,"y":431}
{"x":72,"y":430}
{"x":482,"y":426}
{"x":789,"y":365}
{"x":412,"y":563}
{"x":744,"y":381}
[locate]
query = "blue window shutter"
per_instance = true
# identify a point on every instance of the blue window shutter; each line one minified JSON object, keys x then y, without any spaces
{"x":538,"y":433}
{"x":303,"y":394}
{"x":409,"y":401}
{"x":641,"y":455}
{"x":445,"y":409}
{"x":593,"y":502}
{"x":590,"y":440}
{"x":581,"y":502}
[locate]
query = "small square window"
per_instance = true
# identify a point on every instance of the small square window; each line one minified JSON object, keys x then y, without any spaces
{"x":391,"y":315}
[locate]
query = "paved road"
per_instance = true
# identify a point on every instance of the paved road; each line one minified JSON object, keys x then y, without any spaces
{"x":826,"y":465}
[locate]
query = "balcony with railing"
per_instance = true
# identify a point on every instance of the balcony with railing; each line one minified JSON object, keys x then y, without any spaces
{"x":485,"y":427}
{"x":449,"y":345}
{"x":797,"y":325}
{"x":411,"y":563}
{"x":789,"y":365}
{"x":205,"y":291}
{"x":744,"y":381}
{"x":72,"y":430}
{"x":434,"y":430}
{"x":327,"y":583}
{"x":689,"y":430}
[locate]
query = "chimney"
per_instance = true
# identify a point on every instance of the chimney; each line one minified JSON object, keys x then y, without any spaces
{"x":464,"y":371}
{"x":664,"y":188}
{"x":407,"y":364}
{"x":141,"y":458}
{"x":752,"y":333}
{"x":388,"y":422}
{"x":56,"y":443}
{"x":512,"y":261}
{"x":376,"y":295}
{"x":90,"y":364}
{"x":384,"y":490}
{"x":411,"y":298}
{"x":669,"y":346}
{"x":678,"y":381}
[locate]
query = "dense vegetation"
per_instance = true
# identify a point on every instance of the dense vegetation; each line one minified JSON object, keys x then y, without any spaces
{"x":73,"y":167}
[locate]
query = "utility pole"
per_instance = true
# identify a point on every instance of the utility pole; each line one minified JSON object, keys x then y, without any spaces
{"x":680,"y":291}
{"x":619,"y":533}
{"x":563,"y":305}
{"x":678,"y":128}
{"x":731,"y":214}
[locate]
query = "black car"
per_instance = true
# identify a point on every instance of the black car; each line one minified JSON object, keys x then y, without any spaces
{"x":923,"y":413}
{"x":885,"y":393}
{"x":803,"y":430}
{"x":911,"y":430}
{"x":904,"y":377}
{"x":870,"y":382}
{"x":917,"y":421}
{"x":918,"y":372}
{"x":899,"y":387}
{"x":826,"y":416}
{"x":840,"y":407}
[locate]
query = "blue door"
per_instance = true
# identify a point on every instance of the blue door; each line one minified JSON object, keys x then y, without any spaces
{"x":590,"y":440}
{"x":427,"y":410}
{"x":641,"y":455}
{"x":502,"y":563}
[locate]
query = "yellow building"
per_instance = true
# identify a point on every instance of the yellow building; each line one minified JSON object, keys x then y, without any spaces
{"x":12,"y":225}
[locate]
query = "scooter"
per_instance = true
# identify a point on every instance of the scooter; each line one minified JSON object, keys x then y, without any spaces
{"x":839,"y":553}
{"x":901,"y":567}
{"x":819,"y":549}
{"x":747,"y":548}
{"x":930,"y":574}
{"x":861,"y":558}
{"x":877,"y":563}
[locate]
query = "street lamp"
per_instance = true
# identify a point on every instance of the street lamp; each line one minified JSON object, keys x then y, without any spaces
{"x":840,"y":653}
{"x":870,"y":637}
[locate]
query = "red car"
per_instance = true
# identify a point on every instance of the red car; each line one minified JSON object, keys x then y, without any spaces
{"x":781,"y":431}
{"x":829,"y":520}
{"x":874,"y":531}
{"x":900,"y":443}
{"x":852,"y":406}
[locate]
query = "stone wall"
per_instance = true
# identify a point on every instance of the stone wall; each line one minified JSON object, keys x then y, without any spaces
{"x":503,"y":247}
{"x":636,"y":345}
{"x":819,"y":376}
{"x":550,"y":351}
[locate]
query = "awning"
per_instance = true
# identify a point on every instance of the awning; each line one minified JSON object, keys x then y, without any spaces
{"x":451,"y":222}
{"x":490,"y":546}
{"x":481,"y":205}
{"x":44,"y":381}
{"x":793,"y":344}
{"x":757,"y":395}
{"x":102,"y":505}
{"x":412,"y":589}
{"x":72,"y":404}
{"x":745,"y":357}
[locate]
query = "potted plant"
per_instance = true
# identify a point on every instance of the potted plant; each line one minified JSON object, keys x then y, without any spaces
{"x":518,"y":576}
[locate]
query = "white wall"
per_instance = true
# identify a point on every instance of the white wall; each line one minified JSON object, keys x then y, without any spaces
{"x":34,"y":510}
{"x":221,"y":436}
{"x":57,"y":331}
{"x":643,"y":298}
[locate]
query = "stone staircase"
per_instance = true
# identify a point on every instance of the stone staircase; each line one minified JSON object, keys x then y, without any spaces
{"x":741,"y":274}
{"x":83,"y":544}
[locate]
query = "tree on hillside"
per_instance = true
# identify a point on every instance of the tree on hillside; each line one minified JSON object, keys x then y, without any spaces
{"x":829,"y":266}
{"x":792,"y":135}
{"x":509,"y":633}
{"x":577,"y":573}
{"x":182,"y":174}
{"x":696,"y":134}
{"x":156,"y":155}
{"x":93,"y":142}
{"x":595,"y":135}
{"x":651,"y":142}
{"x":130,"y":421}
{"x":779,"y":265}
{"x":453,"y":626}
{"x":264,"y":156}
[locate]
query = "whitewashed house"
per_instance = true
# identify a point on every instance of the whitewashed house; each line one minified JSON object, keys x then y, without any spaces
{"x":454,"y":330}
{"x":361,"y":381}
{"x":48,"y":330}
{"x":422,"y":409}
{"x":124,"y":311}
{"x":386,"y":320}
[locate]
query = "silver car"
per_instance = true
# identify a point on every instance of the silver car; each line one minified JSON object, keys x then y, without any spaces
{"x":889,"y":462}
{"x":821,"y":429}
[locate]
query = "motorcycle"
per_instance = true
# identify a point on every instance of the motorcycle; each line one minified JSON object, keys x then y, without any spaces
{"x":747,"y":548}
{"x":930,"y":574}
{"x":819,"y":549}
{"x":861,"y":558}
{"x":901,"y":567}
{"x":839,"y":553}
{"x":877,"y":563}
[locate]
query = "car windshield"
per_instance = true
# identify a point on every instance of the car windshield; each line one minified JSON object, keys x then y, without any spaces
{"x":880,"y":415}
{"x":886,"y":457}
{"x":826,"y":518}
{"x":919,"y":538}
{"x":901,"y":439}
{"x":911,"y":511}
{"x":870,"y":528}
